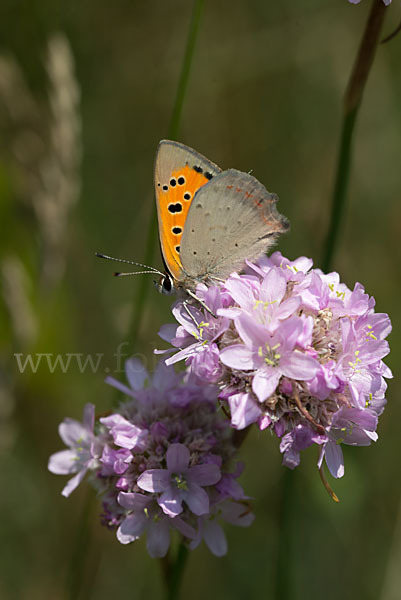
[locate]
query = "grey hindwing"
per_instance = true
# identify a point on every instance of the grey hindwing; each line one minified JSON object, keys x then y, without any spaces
{"x":232,"y":218}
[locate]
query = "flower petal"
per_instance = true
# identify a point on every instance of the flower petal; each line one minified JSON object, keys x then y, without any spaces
{"x":132,"y":528}
{"x":89,"y":416}
{"x":215,"y":538}
{"x":72,"y":432}
{"x":238,"y":356}
{"x":63,"y":462}
{"x":273,"y":286}
{"x":185,"y":353}
{"x":73,"y":483}
{"x":136,"y":373}
{"x":180,"y":525}
{"x":334,"y":459}
{"x":206,"y":474}
{"x":171,"y":502}
{"x":244,"y":410}
{"x":168,"y":332}
{"x":119,"y":386}
{"x":265,"y":382}
{"x":133,"y":501}
{"x":177,"y":457}
{"x":154,"y":480}
{"x":251,"y":332}
{"x":299,"y":366}
{"x":158,"y":538}
{"x":196,"y":499}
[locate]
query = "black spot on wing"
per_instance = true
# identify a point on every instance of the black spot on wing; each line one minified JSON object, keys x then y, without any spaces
{"x":175,"y":208}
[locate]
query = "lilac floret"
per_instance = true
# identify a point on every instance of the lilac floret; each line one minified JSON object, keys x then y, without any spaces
{"x":210,"y":530}
{"x":145,"y":516}
{"x":180,"y":483}
{"x":84,"y":451}
{"x":125,"y":434}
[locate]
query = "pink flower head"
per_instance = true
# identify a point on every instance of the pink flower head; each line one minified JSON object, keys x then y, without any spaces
{"x":296,"y":349}
{"x":160,"y":461}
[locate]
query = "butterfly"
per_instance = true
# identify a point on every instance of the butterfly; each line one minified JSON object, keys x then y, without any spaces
{"x":210,"y":221}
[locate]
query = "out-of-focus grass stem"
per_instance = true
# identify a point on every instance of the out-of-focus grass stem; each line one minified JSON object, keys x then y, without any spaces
{"x":152,"y":237}
{"x":77,"y":571}
{"x":351,"y":105}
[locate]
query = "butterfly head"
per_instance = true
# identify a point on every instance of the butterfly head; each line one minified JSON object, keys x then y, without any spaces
{"x":165,"y":284}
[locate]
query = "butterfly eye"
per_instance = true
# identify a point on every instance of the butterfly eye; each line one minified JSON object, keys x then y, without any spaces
{"x":165,"y":284}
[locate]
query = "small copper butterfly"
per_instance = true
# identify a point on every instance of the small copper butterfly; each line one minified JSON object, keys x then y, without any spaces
{"x":210,"y":221}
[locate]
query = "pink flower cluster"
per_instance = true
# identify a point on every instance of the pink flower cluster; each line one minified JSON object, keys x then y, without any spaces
{"x":292,"y":349}
{"x":283,"y":346}
{"x":161,"y":462}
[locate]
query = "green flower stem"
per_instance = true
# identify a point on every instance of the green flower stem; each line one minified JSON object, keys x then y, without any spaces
{"x":152,"y":236}
{"x":284,"y":572}
{"x":340,"y":187}
{"x":185,"y":70}
{"x":173,"y":572}
{"x":352,"y":102}
{"x":78,"y":568}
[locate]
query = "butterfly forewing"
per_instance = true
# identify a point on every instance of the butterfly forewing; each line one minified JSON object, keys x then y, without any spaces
{"x":232,"y":219}
{"x":179,"y":173}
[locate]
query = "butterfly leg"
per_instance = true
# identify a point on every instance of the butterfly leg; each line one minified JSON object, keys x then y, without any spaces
{"x":205,"y":306}
{"x":186,"y":307}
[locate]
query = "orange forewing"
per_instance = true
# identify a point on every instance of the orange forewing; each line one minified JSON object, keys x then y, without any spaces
{"x":178,"y":199}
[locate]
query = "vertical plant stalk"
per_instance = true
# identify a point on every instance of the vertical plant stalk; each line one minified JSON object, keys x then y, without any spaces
{"x":77,"y":568}
{"x":284,"y":579}
{"x":152,"y":237}
{"x":172,"y":570}
{"x":352,"y":102}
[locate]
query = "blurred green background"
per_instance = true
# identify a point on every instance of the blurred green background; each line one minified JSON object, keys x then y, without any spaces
{"x":86,"y":92}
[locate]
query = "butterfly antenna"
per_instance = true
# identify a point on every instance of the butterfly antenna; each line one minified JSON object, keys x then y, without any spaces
{"x":118,"y":274}
{"x":151,"y":270}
